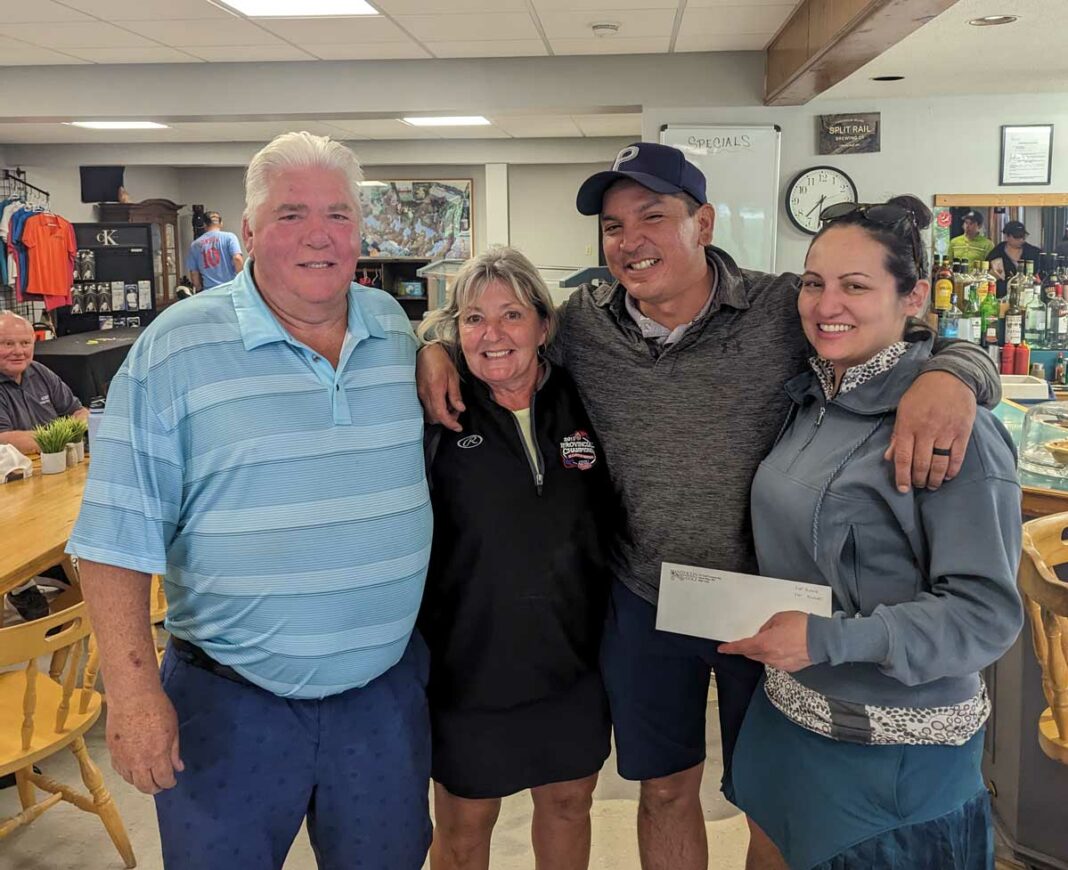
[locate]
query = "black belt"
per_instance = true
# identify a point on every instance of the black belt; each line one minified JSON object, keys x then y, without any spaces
{"x":194,"y":655}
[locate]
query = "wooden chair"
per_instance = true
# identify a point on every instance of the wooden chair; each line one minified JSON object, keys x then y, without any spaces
{"x":40,"y":716}
{"x":1046,"y":601}
{"x":156,"y":614}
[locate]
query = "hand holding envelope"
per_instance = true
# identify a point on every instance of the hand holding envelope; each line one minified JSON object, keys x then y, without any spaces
{"x":781,"y":642}
{"x":763,"y":618}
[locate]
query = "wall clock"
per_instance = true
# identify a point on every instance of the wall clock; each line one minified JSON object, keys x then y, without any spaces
{"x":812,"y":190}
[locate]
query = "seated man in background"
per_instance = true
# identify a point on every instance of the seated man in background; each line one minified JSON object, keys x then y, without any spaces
{"x":30,"y":395}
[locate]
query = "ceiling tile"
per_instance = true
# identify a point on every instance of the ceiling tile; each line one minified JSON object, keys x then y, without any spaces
{"x":609,"y":125}
{"x":224,"y":31}
{"x":240,"y":131}
{"x":732,"y":42}
{"x":154,"y":54}
{"x":699,"y":4}
{"x":642,"y":23}
{"x":246,"y":53}
{"x":427,"y":7}
{"x":463,"y":26}
{"x":471,"y":133}
{"x":146,"y":10}
{"x":608,"y":6}
{"x":489,"y":48}
{"x":383,"y":128}
{"x":535,"y":126}
{"x":721,"y":20}
{"x":334,"y":31}
{"x":380,"y":51}
{"x":30,"y":55}
{"x":74,"y":34}
{"x":15,"y":11}
{"x":614,"y":45}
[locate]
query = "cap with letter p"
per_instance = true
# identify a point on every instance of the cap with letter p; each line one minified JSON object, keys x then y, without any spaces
{"x":660,"y":168}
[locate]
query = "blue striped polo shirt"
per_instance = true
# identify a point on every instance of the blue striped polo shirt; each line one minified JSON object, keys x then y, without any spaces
{"x":285,"y":502}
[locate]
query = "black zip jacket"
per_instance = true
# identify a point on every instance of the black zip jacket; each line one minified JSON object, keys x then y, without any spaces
{"x":517,"y":585}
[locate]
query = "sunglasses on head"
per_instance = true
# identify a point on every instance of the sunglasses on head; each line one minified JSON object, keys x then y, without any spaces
{"x":884,"y":214}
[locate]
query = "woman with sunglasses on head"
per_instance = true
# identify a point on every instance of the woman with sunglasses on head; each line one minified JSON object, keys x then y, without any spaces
{"x":863,"y":749}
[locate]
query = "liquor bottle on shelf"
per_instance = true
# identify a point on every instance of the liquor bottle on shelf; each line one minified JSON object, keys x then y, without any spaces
{"x":971,"y":321}
{"x":943,"y":288}
{"x":1057,"y":319}
{"x":1049,"y":277}
{"x":1035,"y":320}
{"x":936,"y":265}
{"x":989,"y":307}
{"x":1014,"y":314}
{"x":949,"y":322}
{"x":1058,"y":369}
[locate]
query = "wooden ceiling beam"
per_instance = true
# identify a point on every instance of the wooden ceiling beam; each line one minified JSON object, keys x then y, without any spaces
{"x":824,"y":41}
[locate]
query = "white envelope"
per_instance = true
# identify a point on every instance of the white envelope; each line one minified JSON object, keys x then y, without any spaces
{"x":725,"y":606}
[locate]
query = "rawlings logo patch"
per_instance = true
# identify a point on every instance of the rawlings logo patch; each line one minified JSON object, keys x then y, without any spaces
{"x":469,"y":442}
{"x":578,"y":451}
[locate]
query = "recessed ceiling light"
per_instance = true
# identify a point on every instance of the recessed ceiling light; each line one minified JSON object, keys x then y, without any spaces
{"x":992,"y":20}
{"x":117,"y":125}
{"x":300,"y":8}
{"x":887,"y":78}
{"x":456,"y":121}
{"x":373,"y":184}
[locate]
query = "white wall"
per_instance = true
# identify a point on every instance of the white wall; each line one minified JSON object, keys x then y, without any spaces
{"x":544,"y":222}
{"x":929,"y":146}
{"x":63,"y":182}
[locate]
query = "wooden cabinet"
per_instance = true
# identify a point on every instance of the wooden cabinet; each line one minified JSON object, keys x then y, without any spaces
{"x":167,"y":260}
{"x":397,"y":276}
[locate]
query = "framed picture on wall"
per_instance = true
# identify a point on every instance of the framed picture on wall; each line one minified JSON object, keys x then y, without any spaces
{"x":1026,"y":154}
{"x":425,"y":219}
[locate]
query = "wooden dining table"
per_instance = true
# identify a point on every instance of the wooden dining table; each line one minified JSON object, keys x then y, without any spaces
{"x":36,"y":518}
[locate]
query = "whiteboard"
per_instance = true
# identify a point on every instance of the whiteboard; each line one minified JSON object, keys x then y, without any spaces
{"x":741,"y":165}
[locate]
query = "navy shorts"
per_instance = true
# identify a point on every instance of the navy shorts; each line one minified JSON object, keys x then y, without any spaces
{"x":356,"y":765}
{"x":657,"y":686}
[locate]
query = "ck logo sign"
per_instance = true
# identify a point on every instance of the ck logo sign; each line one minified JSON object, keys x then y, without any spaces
{"x":628,"y":153}
{"x":469,"y":442}
{"x":106,"y":238}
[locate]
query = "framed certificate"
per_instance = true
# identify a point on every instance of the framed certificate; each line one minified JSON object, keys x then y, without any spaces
{"x":1026,"y":154}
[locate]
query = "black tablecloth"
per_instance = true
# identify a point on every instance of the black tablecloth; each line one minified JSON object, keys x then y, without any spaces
{"x":87,"y":362}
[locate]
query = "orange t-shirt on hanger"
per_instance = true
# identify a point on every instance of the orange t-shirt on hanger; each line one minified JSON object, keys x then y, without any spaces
{"x":49,"y":240}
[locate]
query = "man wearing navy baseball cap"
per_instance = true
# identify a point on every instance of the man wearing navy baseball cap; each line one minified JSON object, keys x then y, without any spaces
{"x":680,"y":363}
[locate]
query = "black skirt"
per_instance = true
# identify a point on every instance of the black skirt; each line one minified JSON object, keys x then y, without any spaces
{"x":494,"y":753}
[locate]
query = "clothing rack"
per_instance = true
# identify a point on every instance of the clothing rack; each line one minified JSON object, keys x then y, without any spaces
{"x":13,"y":183}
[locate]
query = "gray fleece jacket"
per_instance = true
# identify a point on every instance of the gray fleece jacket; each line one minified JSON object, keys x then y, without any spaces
{"x":924,"y":583}
{"x":684,"y":428}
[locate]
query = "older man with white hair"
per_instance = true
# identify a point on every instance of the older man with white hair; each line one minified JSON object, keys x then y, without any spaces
{"x":262,"y":449}
{"x":30,"y":395}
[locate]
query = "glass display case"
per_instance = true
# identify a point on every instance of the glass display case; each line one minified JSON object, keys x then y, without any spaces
{"x":438,"y":275}
{"x":1043,"y":440}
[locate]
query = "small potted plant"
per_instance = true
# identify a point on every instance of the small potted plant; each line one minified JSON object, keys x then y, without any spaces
{"x":78,"y":430}
{"x":52,"y":440}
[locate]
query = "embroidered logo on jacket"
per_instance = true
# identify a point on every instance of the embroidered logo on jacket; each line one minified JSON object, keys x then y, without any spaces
{"x":578,"y":451}
{"x":469,"y":442}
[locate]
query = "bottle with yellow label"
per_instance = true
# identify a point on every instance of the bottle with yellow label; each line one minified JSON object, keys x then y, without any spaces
{"x":943,"y":288}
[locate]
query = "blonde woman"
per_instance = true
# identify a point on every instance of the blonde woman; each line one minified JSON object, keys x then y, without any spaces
{"x":517,"y":586}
